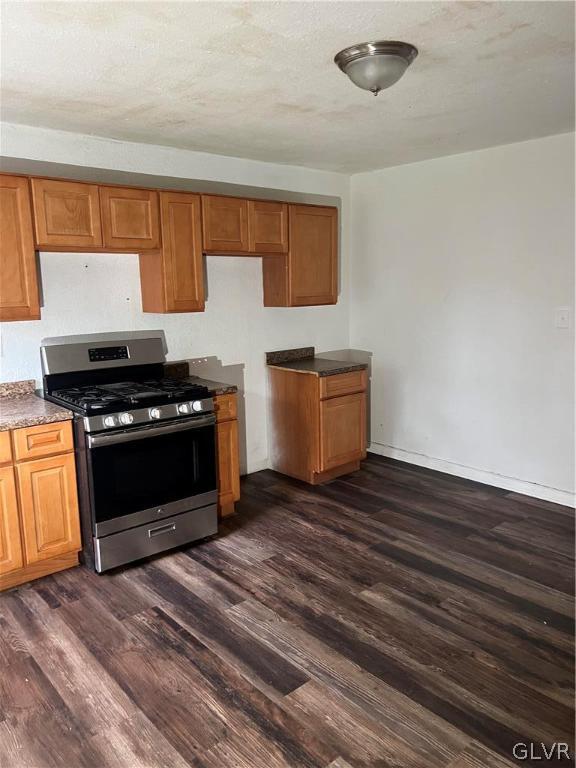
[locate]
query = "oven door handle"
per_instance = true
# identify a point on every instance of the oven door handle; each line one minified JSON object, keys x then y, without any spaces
{"x":128,"y":436}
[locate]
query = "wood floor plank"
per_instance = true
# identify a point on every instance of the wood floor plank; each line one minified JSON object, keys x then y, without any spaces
{"x":393,"y":618}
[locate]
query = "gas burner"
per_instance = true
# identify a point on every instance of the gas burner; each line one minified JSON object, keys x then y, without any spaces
{"x":127,"y":395}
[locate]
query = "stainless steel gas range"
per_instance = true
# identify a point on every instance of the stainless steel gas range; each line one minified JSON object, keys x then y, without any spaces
{"x":145,"y":445}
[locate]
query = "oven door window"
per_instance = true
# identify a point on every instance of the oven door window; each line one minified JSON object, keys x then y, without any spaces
{"x":131,"y":476}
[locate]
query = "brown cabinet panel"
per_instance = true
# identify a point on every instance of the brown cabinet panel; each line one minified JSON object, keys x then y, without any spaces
{"x":18,"y":280}
{"x":308,"y":275}
{"x":228,"y":465}
{"x":130,"y":218}
{"x":172,"y":280}
{"x":225,"y":224}
{"x":5,"y":448}
{"x":267,"y":227}
{"x":42,"y":440}
{"x":342,"y":430}
{"x":66,"y":214}
{"x":10,"y":543}
{"x":49,"y":507}
{"x":313,"y":260}
{"x":225,"y":407}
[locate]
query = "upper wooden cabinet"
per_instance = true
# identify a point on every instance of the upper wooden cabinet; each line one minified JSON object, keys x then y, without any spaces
{"x":309,"y":274}
{"x":66,"y":214}
{"x":18,"y":283}
{"x":267,"y":227}
{"x":232,"y":225}
{"x":130,"y":218}
{"x":225,"y":224}
{"x":171,"y":231}
{"x":173,"y":279}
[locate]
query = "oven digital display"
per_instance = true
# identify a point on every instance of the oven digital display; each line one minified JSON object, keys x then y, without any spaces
{"x":102,"y":354}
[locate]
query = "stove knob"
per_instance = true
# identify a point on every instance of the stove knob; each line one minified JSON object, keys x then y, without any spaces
{"x":197,"y":405}
{"x":183,"y":408}
{"x":109,"y":421}
{"x":126,"y":418}
{"x":155,"y":413}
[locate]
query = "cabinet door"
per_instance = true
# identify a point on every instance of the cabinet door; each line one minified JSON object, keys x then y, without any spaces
{"x":268,"y":227}
{"x":10,"y":545}
{"x":182,"y":250}
{"x":313,"y":260}
{"x":225,"y":224}
{"x":66,"y":214}
{"x":342,"y":430}
{"x":130,"y":218}
{"x":228,"y":462}
{"x":172,"y":280}
{"x":18,"y":282}
{"x":49,"y":507}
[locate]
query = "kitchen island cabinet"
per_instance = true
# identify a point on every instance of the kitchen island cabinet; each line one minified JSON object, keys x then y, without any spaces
{"x":317,"y":422}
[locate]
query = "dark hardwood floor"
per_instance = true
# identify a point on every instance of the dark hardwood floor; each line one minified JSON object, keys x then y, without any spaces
{"x":396,"y":618}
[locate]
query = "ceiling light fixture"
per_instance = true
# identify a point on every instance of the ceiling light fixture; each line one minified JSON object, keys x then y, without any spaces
{"x":377,"y":65}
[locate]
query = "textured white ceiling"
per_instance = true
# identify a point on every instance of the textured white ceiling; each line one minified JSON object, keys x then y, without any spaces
{"x":257,"y":79}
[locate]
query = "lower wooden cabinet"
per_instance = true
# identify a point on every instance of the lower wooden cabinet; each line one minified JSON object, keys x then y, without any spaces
{"x":11,"y":557}
{"x":49,"y":506}
{"x":316,"y":436}
{"x":342,"y":430}
{"x":227,"y":453}
{"x":39,"y":524}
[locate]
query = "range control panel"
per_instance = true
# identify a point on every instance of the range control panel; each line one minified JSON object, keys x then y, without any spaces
{"x":101,"y":354}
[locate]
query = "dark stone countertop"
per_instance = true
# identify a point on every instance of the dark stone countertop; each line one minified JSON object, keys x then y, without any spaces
{"x":181,"y":370}
{"x":303,"y":359}
{"x":215,"y":387}
{"x":320,"y":366}
{"x":20,"y":407}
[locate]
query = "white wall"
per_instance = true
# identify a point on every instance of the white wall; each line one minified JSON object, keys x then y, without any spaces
{"x":458,"y":266}
{"x":91,"y":293}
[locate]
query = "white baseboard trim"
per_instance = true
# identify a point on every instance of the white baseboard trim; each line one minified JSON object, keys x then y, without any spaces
{"x":480,"y":475}
{"x":257,"y":466}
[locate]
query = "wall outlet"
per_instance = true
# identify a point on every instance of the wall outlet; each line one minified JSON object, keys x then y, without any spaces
{"x":562,"y":317}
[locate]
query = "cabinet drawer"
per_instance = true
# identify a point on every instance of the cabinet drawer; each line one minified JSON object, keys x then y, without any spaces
{"x":225,"y":407}
{"x":342,"y":384}
{"x":5,"y":448}
{"x":42,"y":440}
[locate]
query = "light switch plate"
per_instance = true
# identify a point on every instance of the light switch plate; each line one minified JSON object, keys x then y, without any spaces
{"x":562,"y":317}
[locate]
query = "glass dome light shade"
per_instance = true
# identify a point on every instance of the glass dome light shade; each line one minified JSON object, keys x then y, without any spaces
{"x":374,"y":73}
{"x":376,"y":65}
